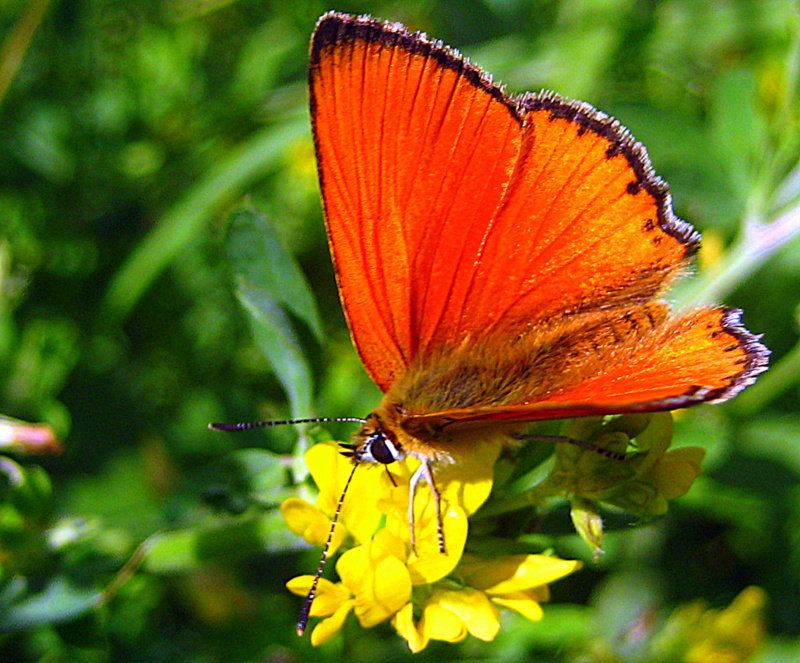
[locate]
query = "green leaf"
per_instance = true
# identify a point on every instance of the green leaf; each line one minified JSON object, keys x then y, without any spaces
{"x":260,"y":260}
{"x":260,"y":154}
{"x":57,"y":602}
{"x":262,"y":473}
{"x":268,"y":284}
{"x":248,"y":477}
{"x":736,"y":127}
{"x":187,"y":549}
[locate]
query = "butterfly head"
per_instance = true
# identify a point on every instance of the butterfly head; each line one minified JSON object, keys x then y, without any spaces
{"x":374,"y":443}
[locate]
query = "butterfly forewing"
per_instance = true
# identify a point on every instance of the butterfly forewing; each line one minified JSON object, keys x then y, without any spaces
{"x":415,"y":152}
{"x":586,"y":225}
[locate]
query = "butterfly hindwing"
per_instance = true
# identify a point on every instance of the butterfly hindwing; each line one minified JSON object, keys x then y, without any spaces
{"x":705,"y":355}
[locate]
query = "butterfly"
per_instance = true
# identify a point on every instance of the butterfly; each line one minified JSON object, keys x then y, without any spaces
{"x":501,"y":259}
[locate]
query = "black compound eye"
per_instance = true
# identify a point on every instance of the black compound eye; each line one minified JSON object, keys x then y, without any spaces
{"x":382,"y":450}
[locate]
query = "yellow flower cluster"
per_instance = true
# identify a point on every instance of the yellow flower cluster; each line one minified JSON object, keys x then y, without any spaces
{"x":431,"y":595}
{"x":648,"y":478}
{"x":696,"y":634}
{"x":651,"y":475}
{"x":427,"y":595}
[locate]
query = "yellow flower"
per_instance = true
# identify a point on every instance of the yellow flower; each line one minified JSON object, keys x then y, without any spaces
{"x":333,"y":601}
{"x":377,"y":576}
{"x":660,"y":473}
{"x":642,"y":483}
{"x":646,"y":479}
{"x":464,"y":487}
{"x":359,"y":516}
{"x":385,"y":577}
{"x":515,"y":582}
{"x":375,"y":585}
{"x":448,"y":615}
{"x":695,"y":634}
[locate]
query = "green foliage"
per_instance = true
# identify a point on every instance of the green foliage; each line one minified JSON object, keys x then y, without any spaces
{"x":141,"y":298}
{"x":269,"y":284}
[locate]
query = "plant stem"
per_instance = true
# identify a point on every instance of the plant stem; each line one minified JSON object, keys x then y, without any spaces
{"x":757,"y":243}
{"x":17,"y":42}
{"x":770,"y":385}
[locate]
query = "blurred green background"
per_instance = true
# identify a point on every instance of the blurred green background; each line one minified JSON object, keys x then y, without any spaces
{"x":136,"y":307}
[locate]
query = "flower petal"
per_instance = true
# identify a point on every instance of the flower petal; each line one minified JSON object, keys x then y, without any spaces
{"x":472,"y":607}
{"x":468,"y":482}
{"x":308,"y":521}
{"x":655,"y":439}
{"x":428,"y":564}
{"x":331,"y":471}
{"x":439,"y":623}
{"x":327,"y":628}
{"x":677,"y":470}
{"x":514,"y":573}
{"x":387,"y":544}
{"x":391,"y":591}
{"x":328,"y":598}
{"x":527,"y":606}
{"x":403,"y":622}
{"x":392,"y":579}
{"x":379,"y":580}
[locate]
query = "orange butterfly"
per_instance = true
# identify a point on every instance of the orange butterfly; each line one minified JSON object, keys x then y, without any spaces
{"x":500,"y":259}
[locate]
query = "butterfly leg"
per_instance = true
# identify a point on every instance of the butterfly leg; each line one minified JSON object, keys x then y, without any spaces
{"x":425,"y":471}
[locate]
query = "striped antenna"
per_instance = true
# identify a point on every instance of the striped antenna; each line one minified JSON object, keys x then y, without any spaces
{"x":305,"y":611}
{"x":247,"y":425}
